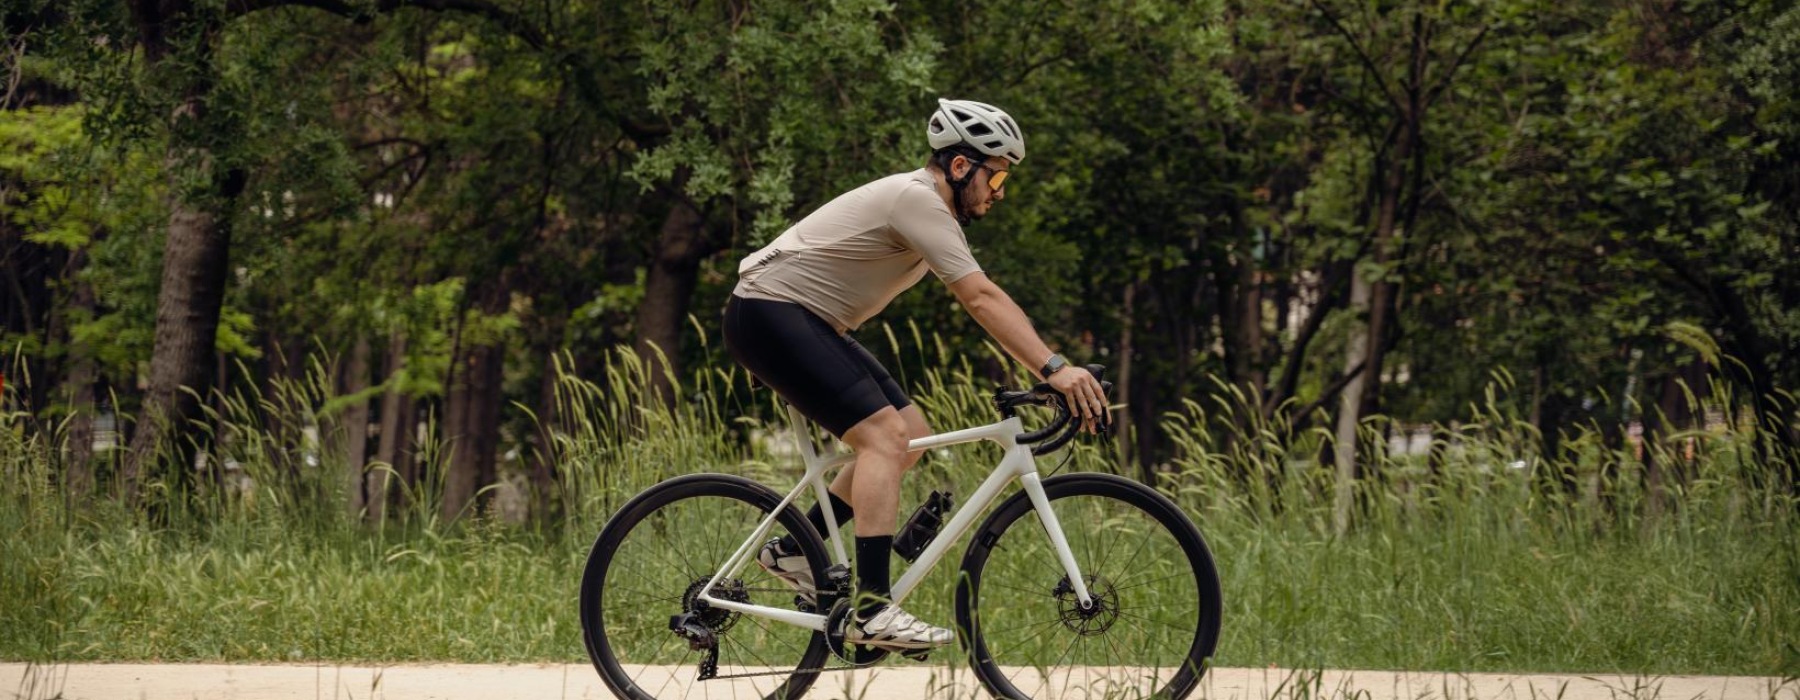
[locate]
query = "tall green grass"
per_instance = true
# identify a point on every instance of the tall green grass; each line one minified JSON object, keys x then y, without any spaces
{"x":1490,"y":557}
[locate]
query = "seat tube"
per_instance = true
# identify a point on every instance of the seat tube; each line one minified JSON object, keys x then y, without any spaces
{"x":815,"y":473}
{"x":1034,"y":487}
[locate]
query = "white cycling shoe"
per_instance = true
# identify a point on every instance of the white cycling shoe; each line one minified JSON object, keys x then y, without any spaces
{"x":790,"y":568}
{"x":893,"y":628}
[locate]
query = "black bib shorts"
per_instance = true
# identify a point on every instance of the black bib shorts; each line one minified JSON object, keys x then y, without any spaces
{"x":829,"y":376}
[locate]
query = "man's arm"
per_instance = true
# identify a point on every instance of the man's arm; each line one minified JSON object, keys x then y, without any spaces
{"x":1007,"y":323}
{"x":1002,"y":319}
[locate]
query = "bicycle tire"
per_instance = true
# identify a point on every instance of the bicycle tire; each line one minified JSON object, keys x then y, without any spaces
{"x":685,"y":528}
{"x":1140,"y":624}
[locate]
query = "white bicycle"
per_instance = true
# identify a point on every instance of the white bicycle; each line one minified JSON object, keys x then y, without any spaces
{"x":1080,"y":585}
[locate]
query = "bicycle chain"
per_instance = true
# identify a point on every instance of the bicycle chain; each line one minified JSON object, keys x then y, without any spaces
{"x":795,"y":672}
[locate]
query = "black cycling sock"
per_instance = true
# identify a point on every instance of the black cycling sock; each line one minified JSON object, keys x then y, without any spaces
{"x":872,"y":574}
{"x":816,"y":516}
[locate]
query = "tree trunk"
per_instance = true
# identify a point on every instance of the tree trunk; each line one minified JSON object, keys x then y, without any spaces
{"x":1374,"y":298}
{"x":82,"y":406}
{"x":196,"y":257}
{"x":668,"y":291}
{"x":472,"y":416}
{"x":394,"y":448}
{"x":79,"y":385}
{"x":471,"y":428}
{"x":189,"y":301}
{"x":1241,"y":325}
{"x":1652,"y":451}
{"x":354,"y":428}
{"x":1350,"y":408}
{"x":543,"y":462}
{"x":1122,"y":383}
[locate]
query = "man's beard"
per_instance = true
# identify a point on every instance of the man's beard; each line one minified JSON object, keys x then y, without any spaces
{"x":967,"y":213}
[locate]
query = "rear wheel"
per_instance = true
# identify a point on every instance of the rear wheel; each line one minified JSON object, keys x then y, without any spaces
{"x":1154,"y":621}
{"x":649,"y":564}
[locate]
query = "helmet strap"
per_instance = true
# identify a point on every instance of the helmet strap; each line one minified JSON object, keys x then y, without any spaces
{"x":957,"y":185}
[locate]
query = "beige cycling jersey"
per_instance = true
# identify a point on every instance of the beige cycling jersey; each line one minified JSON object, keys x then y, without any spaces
{"x":847,"y":260}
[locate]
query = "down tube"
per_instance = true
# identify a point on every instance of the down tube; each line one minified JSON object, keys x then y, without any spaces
{"x":961,"y":521}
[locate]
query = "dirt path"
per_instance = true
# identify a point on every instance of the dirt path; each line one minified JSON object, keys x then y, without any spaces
{"x":475,"y":682}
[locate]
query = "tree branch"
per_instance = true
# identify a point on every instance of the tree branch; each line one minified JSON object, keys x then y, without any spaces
{"x":512,"y":23}
{"x":1361,"y":54}
{"x":1443,"y":83}
{"x":1329,"y":298}
{"x":1330,"y":392}
{"x":16,"y":61}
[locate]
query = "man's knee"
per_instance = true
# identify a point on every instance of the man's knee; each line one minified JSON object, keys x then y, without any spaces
{"x":916,"y":428}
{"x":885,"y":433}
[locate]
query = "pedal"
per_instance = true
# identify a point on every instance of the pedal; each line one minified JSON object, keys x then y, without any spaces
{"x":917,"y":654}
{"x":837,"y":582}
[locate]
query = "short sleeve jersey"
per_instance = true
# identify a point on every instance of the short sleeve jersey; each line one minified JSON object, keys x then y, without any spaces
{"x":847,"y":260}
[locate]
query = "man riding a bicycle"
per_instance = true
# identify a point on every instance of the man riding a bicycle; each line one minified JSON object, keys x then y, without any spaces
{"x":788,"y":323}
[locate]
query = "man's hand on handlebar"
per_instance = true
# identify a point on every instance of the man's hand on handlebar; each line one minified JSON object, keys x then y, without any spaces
{"x":1087,"y":400}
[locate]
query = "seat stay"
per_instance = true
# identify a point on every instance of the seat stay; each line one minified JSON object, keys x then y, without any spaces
{"x":741,"y":557}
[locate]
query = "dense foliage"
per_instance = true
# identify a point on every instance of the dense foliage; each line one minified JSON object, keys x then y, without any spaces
{"x":1330,"y":213}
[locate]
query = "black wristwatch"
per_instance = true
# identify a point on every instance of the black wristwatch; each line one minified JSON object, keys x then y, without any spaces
{"x":1053,"y":365}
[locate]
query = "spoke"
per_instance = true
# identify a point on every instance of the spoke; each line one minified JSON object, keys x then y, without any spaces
{"x":779,"y":638}
{"x":1169,"y":625}
{"x":683,"y":553}
{"x":1028,"y":625}
{"x":1100,"y":547}
{"x":752,"y":653}
{"x":1137,"y":554}
{"x":1113,"y":655}
{"x":1021,"y":643}
{"x":1059,"y":659}
{"x":1054,"y":566}
{"x":1087,"y":668}
{"x":1141,"y":584}
{"x":666,"y":681}
{"x":1026,"y":591}
{"x":667,"y":564}
{"x":639,"y":602}
{"x":660,"y":553}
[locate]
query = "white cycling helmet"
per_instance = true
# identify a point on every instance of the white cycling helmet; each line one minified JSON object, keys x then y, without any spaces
{"x":980,"y":125}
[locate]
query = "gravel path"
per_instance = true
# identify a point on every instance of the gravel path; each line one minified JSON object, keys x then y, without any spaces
{"x":540,"y":682}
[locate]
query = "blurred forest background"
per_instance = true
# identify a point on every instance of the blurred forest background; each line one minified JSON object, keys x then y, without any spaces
{"x":1466,"y":330}
{"x":1342,"y":214}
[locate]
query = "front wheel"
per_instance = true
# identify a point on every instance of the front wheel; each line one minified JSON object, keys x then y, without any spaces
{"x":1154,"y":618}
{"x":648,"y":566}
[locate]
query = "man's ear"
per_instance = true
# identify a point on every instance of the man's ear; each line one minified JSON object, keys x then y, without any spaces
{"x":956,"y":173}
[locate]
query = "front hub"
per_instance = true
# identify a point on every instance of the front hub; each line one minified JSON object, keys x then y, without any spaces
{"x":1093,"y":619}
